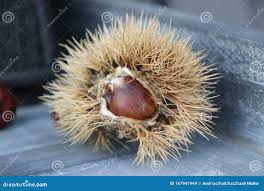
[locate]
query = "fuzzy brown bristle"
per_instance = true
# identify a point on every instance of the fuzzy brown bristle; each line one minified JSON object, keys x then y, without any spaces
{"x":166,"y":64}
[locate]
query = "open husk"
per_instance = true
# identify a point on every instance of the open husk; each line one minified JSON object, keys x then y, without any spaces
{"x":179,"y":81}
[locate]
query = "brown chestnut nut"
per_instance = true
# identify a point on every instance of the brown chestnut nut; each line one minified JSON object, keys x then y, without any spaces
{"x":132,"y":100}
{"x":126,"y":97}
{"x":55,"y":117}
{"x":8,"y":105}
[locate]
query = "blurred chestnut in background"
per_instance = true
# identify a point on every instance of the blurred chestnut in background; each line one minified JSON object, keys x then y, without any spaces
{"x":8,"y":105}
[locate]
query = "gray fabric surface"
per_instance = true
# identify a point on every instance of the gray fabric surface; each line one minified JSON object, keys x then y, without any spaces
{"x":31,"y":147}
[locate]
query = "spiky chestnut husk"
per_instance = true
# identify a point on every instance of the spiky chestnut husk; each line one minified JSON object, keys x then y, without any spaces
{"x":155,"y":67}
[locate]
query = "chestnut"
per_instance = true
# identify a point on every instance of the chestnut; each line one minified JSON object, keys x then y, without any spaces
{"x":131,"y":99}
{"x":55,"y":116}
{"x":123,"y":95}
{"x":8,"y":105}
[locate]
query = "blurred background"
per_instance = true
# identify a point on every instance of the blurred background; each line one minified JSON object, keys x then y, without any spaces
{"x":31,"y":30}
{"x":230,"y":31}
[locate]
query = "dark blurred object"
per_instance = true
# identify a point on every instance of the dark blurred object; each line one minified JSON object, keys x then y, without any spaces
{"x":8,"y":105}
